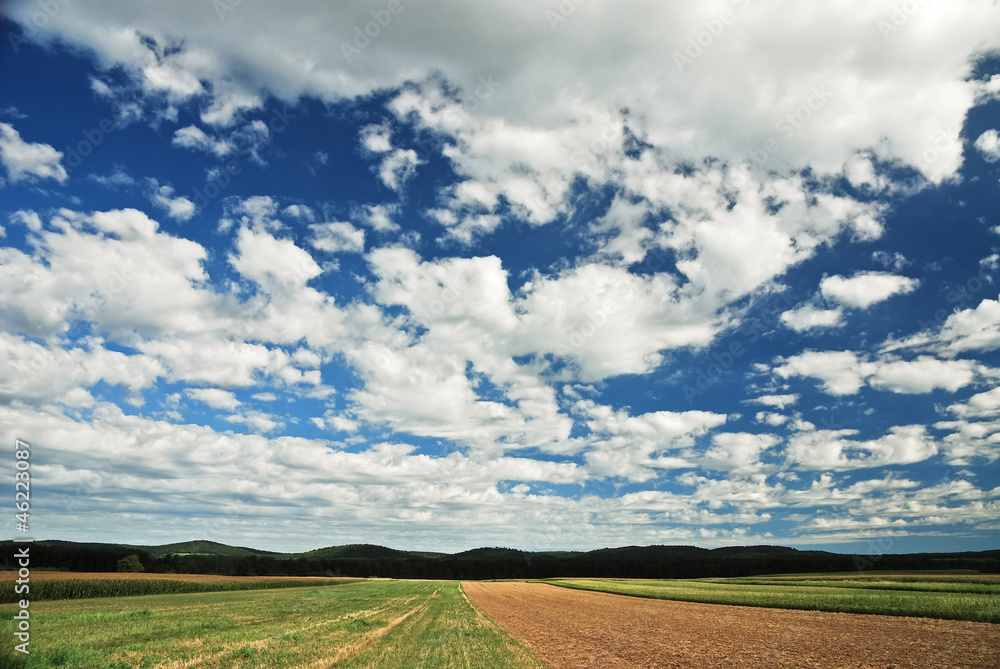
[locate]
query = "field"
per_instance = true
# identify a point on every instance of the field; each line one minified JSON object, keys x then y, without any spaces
{"x":50,"y":585}
{"x":569,"y":628}
{"x":372,"y":623}
{"x":947,"y":596}
{"x":322,"y":622}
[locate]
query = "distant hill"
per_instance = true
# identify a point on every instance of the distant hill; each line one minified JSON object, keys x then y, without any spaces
{"x":355,"y":551}
{"x":202,"y":547}
{"x":363,"y":560}
{"x":492,"y":554}
{"x":650,"y":552}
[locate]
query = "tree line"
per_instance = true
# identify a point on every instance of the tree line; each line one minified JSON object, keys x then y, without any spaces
{"x":612,"y":563}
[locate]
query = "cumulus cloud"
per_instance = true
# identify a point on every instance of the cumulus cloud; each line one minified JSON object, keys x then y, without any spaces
{"x":547,"y":110}
{"x":988,"y":144}
{"x":379,"y":217}
{"x":777,"y":401}
{"x":808,"y":317}
{"x":718,"y":195}
{"x":841,"y":372}
{"x":845,"y":372}
{"x":923,"y":374}
{"x":215,"y":398}
{"x":193,"y":137}
{"x":177,"y":207}
{"x":834,"y":450}
{"x":966,"y":330}
{"x":337,"y":237}
{"x":738,"y":452}
{"x":398,"y":167}
{"x":24,"y":160}
{"x":982,"y":405}
{"x":866,"y":288}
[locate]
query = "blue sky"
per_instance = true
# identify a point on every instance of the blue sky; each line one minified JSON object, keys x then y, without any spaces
{"x":444,"y":275}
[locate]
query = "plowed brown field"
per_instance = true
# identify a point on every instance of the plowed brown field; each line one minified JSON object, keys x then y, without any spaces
{"x":572,"y":628}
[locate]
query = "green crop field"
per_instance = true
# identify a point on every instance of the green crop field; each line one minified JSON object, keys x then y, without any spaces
{"x":49,"y":589}
{"x":951,"y":597}
{"x":372,"y":623}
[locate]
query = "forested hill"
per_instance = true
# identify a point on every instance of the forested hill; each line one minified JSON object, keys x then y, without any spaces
{"x":208,"y":557}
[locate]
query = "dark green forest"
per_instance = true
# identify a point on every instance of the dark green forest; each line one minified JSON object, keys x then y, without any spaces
{"x":366,"y":560}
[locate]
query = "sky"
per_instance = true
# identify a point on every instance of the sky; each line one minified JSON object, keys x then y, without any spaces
{"x":547,"y":275}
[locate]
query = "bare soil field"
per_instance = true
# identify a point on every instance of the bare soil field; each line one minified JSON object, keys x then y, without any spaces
{"x":37,"y":575}
{"x":573,"y":628}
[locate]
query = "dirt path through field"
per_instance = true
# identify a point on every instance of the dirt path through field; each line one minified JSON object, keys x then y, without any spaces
{"x":573,"y":628}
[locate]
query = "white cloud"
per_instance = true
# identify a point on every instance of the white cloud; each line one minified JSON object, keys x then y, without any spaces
{"x":220,"y":362}
{"x":216,"y":398}
{"x":778,"y":401}
{"x":38,"y":375}
{"x":119,"y":177}
{"x":975,"y":329}
{"x":398,"y":167}
{"x":608,"y":321}
{"x":136,"y":279}
{"x":376,"y":138}
{"x":277,"y":265}
{"x":738,"y":452}
{"x":860,"y":172}
{"x":635,"y":447}
{"x":866,"y":288}
{"x":808,"y":317}
{"x":446,"y":349}
{"x":178,"y":208}
{"x":841,"y":372}
{"x":845,"y":373}
{"x":29,"y":219}
{"x":770,"y":418}
{"x":988,"y":144}
{"x":923,"y":375}
{"x":983,"y":405}
{"x":337,"y":237}
{"x":530,"y":129}
{"x":299,"y":211}
{"x":193,"y":137}
{"x":379,"y":217}
{"x":833,"y":450}
{"x":258,"y":421}
{"x":24,"y":160}
{"x":972,"y":439}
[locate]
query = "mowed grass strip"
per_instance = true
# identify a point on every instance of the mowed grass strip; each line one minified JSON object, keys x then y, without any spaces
{"x":372,"y":623}
{"x":973,"y":585}
{"x":980,"y":607}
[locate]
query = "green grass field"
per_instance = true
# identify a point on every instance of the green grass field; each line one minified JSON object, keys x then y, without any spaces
{"x":371,"y":623}
{"x":951,"y":597}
